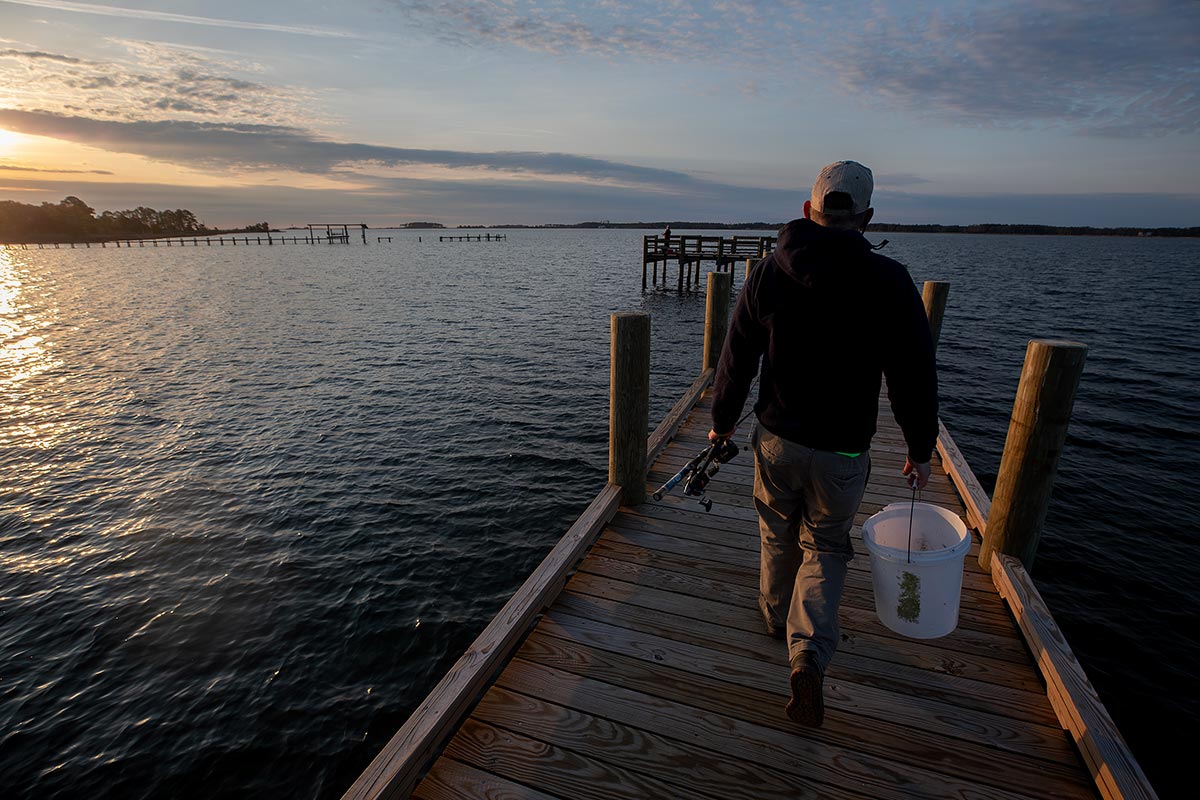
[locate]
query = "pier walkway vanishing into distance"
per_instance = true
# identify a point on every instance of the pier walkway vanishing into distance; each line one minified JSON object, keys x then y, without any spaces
{"x":633,"y":662}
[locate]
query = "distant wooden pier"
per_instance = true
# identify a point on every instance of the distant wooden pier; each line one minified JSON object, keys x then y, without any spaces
{"x":335,"y":232}
{"x":195,"y":241}
{"x":633,"y":662}
{"x":475,"y":237}
{"x":689,"y":252}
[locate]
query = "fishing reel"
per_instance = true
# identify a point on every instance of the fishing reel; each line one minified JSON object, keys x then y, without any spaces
{"x":697,"y":473}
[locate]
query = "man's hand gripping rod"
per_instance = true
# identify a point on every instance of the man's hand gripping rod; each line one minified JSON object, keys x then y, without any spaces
{"x":699,"y":471}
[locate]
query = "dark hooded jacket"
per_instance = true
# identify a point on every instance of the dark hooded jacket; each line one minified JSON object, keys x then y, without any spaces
{"x":828,"y":316}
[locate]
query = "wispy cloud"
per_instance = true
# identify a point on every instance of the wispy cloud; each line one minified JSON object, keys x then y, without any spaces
{"x":661,"y":30}
{"x":12,"y":168}
{"x":35,"y":55}
{"x":1107,"y":69}
{"x":242,"y":146}
{"x":164,"y":16}
{"x":150,"y":81}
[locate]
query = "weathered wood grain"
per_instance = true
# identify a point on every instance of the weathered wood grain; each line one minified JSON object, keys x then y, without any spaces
{"x":876,"y":665}
{"x":876,"y":758}
{"x":453,"y":780}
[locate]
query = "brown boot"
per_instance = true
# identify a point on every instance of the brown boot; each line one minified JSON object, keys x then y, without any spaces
{"x":807,"y":706}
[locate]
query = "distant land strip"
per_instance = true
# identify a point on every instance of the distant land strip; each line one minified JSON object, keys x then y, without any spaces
{"x":876,"y":227}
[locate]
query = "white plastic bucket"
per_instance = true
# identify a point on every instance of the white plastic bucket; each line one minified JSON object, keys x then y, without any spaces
{"x":917,"y":592}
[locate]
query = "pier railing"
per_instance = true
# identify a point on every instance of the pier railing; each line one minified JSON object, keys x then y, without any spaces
{"x":690,"y":251}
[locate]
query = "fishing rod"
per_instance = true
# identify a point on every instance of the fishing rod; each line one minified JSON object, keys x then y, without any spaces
{"x":696,"y":474}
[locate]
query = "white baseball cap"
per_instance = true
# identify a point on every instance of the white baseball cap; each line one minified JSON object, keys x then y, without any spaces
{"x":848,"y":178}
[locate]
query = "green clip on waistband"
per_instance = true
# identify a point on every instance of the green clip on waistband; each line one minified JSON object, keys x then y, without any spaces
{"x":848,"y":455}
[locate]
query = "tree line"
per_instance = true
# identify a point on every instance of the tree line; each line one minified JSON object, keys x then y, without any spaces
{"x":73,"y":220}
{"x":1033,"y":230}
{"x":881,"y":227}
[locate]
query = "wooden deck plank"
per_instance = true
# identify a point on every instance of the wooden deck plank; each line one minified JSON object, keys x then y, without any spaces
{"x":696,"y":540}
{"x":746,"y":578}
{"x":708,"y":772}
{"x":874,"y":667}
{"x":550,"y":768}
{"x":453,"y":780}
{"x":881,"y":759}
{"x":694,"y":584}
{"x":989,"y":730}
{"x":927,"y":656}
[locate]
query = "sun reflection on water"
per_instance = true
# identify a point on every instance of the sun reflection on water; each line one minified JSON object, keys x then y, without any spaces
{"x":24,"y":355}
{"x":22,"y":351}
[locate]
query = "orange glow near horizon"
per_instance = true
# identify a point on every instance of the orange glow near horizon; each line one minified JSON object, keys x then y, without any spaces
{"x":33,"y":158}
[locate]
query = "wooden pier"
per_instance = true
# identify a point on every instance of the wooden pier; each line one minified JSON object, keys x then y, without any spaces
{"x":475,"y":237}
{"x":633,"y":662}
{"x":690,"y":252}
{"x":335,"y":232}
{"x":193,"y":241}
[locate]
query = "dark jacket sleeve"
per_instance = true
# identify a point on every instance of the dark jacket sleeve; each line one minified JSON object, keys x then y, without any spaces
{"x":744,"y":345}
{"x":911,"y":371}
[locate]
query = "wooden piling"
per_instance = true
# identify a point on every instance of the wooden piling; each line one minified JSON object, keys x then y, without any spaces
{"x":629,"y":404}
{"x":1036,"y":433}
{"x":934,"y":295}
{"x":716,"y":317}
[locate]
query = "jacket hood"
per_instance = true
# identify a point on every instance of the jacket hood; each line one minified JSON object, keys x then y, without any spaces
{"x":806,"y":251}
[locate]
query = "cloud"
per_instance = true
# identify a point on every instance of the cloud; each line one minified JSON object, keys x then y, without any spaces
{"x":163,"y":16}
{"x":657,"y":30}
{"x":35,"y":55}
{"x":152,"y":81}
{"x":273,"y":147}
{"x":11,"y":168}
{"x":1108,"y":69}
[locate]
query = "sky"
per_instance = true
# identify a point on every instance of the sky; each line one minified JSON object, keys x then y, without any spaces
{"x":1057,"y":112}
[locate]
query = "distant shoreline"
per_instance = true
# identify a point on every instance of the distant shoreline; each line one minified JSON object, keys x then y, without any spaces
{"x":883,"y":227}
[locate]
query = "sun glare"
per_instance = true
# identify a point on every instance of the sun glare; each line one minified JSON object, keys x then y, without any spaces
{"x":8,"y":142}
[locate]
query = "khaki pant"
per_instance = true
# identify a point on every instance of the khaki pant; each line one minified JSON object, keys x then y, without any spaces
{"x":806,"y":501}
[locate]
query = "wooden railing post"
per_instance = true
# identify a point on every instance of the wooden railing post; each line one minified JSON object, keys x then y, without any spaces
{"x":716,"y":317}
{"x":934,"y":294}
{"x":1036,"y":434}
{"x":629,"y":404}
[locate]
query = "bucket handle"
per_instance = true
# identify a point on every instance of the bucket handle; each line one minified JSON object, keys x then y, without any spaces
{"x":911,"y":509}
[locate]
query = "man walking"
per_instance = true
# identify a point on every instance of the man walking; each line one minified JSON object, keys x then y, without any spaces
{"x":827,"y":316}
